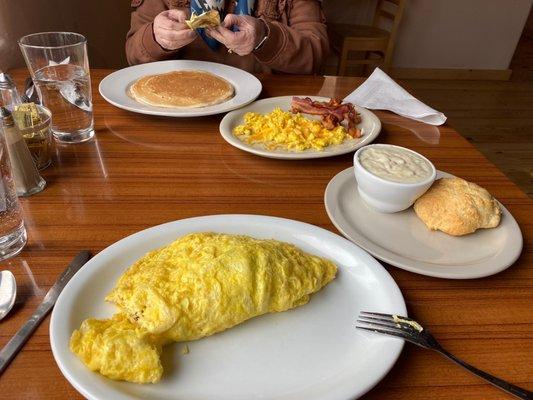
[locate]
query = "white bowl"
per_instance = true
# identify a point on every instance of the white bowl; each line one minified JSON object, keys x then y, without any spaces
{"x":388,"y":196}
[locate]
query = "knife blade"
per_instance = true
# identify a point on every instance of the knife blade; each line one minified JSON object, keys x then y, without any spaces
{"x":10,"y":350}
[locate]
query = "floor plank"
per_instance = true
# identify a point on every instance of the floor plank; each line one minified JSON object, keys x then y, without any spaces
{"x":496,"y":117}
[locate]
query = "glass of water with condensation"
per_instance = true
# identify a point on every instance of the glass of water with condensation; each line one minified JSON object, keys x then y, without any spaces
{"x":59,"y":67}
{"x":12,"y":229}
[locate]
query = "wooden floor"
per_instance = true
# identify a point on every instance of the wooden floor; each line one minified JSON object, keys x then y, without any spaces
{"x":496,"y":116}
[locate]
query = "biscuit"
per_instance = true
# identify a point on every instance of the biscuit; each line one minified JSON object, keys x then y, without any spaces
{"x":457,"y":207}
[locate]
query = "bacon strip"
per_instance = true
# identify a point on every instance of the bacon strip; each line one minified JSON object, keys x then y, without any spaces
{"x":333,"y":112}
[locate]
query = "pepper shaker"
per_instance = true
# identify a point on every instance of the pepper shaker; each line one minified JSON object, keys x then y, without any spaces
{"x":9,"y":95}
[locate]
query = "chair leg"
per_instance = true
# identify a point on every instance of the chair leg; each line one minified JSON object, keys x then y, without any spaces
{"x":386,"y":66}
{"x":343,"y":60}
{"x":367,"y":68}
{"x":387,"y":59}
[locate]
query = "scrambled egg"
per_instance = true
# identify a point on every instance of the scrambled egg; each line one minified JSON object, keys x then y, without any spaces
{"x":201,"y":284}
{"x":283,"y":129}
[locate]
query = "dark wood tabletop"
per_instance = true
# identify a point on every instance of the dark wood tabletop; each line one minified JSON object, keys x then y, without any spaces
{"x":141,"y":171}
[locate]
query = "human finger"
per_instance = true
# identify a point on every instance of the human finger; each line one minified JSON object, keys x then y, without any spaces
{"x":232,"y":20}
{"x":178,"y":15}
{"x":184,"y":35}
{"x":167,"y":45}
{"x":173,"y":44}
{"x":215,"y":34}
{"x":163,"y":21}
{"x":169,"y":24}
{"x":176,"y":27}
{"x":223,"y":32}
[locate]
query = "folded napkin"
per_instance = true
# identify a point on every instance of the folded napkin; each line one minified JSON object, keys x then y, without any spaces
{"x":380,"y":92}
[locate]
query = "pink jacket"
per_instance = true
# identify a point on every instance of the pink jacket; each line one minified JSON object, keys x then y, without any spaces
{"x":298,"y":41}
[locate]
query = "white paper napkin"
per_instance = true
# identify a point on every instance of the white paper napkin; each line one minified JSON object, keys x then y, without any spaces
{"x":380,"y":92}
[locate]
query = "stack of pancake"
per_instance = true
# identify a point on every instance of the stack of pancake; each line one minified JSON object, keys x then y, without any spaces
{"x":181,"y":89}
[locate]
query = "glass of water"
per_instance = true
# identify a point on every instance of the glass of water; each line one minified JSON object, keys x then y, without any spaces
{"x":59,"y":68}
{"x":12,"y":231}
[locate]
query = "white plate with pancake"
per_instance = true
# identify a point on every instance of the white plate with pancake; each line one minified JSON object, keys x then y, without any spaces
{"x":403,"y":240}
{"x":312,"y":352}
{"x":370,"y":126}
{"x":116,"y":88}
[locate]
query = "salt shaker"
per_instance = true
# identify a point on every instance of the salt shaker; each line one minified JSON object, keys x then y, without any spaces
{"x":9,"y":95}
{"x":27,"y":178}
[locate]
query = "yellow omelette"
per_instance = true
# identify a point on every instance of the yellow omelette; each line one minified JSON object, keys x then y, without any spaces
{"x":201,"y":284}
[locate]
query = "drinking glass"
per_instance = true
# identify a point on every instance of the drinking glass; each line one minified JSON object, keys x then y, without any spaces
{"x":59,"y":68}
{"x":12,"y":231}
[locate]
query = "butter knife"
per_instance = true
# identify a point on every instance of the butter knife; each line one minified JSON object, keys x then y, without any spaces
{"x":10,"y":350}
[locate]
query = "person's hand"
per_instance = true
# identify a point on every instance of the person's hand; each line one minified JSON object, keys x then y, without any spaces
{"x":250,"y":31}
{"x":171,"y":31}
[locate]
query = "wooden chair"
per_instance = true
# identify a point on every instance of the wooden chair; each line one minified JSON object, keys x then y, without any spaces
{"x":372,"y":42}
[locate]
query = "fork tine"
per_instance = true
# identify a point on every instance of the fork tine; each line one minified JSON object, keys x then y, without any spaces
{"x":388,"y":317}
{"x":375,"y":319}
{"x":381,"y":326}
{"x":376,"y":314}
{"x":398,"y":333}
{"x":400,"y":324}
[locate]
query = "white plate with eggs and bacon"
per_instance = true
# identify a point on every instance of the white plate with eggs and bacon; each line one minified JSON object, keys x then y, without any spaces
{"x":273,"y":127}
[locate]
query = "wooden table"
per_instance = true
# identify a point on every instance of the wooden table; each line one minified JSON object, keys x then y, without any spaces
{"x":142,"y":171}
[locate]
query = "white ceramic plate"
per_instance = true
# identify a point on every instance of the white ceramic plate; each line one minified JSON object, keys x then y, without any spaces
{"x":114,"y":87}
{"x":401,"y":239}
{"x":311,"y":352}
{"x":370,"y":126}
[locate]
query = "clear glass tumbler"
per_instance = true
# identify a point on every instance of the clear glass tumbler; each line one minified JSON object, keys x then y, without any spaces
{"x":59,"y":67}
{"x":12,"y":231}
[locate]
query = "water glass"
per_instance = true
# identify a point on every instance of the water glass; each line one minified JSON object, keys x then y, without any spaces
{"x":59,"y":67}
{"x":12,"y":231}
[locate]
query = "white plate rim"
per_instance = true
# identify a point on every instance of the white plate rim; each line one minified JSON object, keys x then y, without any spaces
{"x":239,"y":78}
{"x":411,"y":265}
{"x":226,"y":132}
{"x":395,"y":346}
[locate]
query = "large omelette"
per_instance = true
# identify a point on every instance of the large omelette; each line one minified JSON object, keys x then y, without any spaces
{"x":181,"y":89}
{"x":200,"y":284}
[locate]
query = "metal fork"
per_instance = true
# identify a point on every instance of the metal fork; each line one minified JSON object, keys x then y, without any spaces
{"x":412,"y":331}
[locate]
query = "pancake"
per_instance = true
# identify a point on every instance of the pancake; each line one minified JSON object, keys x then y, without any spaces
{"x":181,"y":89}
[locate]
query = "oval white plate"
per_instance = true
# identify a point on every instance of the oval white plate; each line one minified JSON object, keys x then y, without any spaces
{"x":370,"y":125}
{"x":114,"y":87}
{"x":311,"y":352}
{"x":401,"y":239}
